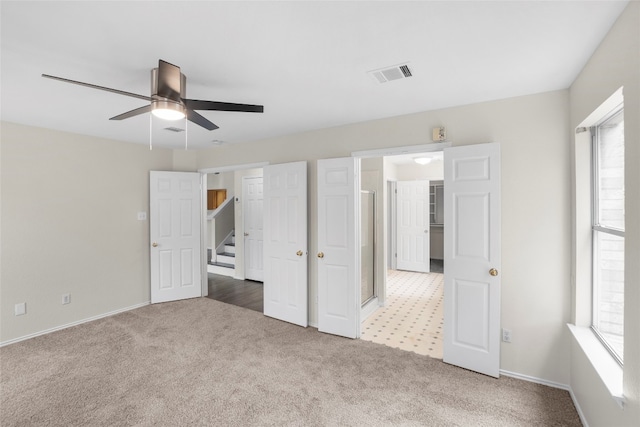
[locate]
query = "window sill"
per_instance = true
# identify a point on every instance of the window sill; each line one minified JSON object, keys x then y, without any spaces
{"x":605,"y":365}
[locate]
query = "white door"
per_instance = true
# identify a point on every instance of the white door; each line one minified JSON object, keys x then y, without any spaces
{"x":285,"y":242}
{"x":174,"y":222}
{"x":338,"y":253}
{"x":412,"y":204}
{"x":252,"y":194}
{"x":472,"y":257}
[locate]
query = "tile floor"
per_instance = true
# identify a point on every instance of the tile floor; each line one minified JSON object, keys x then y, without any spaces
{"x":412,"y":319}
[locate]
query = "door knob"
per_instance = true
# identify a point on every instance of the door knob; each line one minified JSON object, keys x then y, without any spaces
{"x":299,"y":253}
{"x":154,"y":244}
{"x":246,"y":234}
{"x":426,"y":231}
{"x":493,"y":272}
{"x":320,"y":255}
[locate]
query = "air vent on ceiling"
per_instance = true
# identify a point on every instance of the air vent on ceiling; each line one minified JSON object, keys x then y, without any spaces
{"x":174,"y":129}
{"x":388,"y":74}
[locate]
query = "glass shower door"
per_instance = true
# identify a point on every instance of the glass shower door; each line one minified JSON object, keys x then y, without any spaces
{"x":368,"y":241}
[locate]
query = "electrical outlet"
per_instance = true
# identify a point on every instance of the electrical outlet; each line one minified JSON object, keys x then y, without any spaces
{"x":506,"y":335}
{"x":66,"y":298}
{"x":20,"y":309}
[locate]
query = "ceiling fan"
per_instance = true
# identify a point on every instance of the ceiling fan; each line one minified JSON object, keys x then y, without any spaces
{"x":168,"y":98}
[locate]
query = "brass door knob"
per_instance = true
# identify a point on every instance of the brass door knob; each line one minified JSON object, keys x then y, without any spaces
{"x":154,"y":244}
{"x":320,"y":255}
{"x":299,"y":253}
{"x":493,"y":272}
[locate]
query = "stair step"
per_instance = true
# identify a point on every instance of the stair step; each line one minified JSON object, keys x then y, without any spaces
{"x":222,"y":264}
{"x":231,"y":254}
{"x":229,"y":249}
{"x":230,"y":244}
{"x":229,"y":259}
{"x":221,"y":269}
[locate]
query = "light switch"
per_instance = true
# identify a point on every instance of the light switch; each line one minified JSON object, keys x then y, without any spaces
{"x":142,"y":216}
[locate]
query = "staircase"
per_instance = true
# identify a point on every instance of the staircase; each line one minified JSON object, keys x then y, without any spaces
{"x":224,"y":262}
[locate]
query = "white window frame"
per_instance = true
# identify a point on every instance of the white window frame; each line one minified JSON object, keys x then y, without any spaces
{"x":596,"y":228}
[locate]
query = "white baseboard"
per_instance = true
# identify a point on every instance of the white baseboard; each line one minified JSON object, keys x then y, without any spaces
{"x":583,"y":419}
{"x":68,"y":325}
{"x":370,"y":308}
{"x":534,"y":380}
{"x":550,"y":384}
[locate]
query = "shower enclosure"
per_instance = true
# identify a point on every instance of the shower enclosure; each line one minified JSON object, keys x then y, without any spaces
{"x":368,"y":245}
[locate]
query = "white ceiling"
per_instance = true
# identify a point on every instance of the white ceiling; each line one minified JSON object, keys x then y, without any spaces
{"x":305,"y":61}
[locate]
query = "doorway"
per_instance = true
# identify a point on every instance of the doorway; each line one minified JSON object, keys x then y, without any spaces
{"x":230,"y":278}
{"x":411,"y":315}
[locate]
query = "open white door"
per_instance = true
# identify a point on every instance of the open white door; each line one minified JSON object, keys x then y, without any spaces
{"x":252,"y":196}
{"x":472,"y":258}
{"x":413,"y":245}
{"x":285,"y":242}
{"x":174,"y":221}
{"x":339,"y":246}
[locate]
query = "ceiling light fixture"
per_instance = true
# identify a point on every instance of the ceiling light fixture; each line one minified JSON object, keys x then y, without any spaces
{"x":423,"y":160}
{"x":168,"y":110}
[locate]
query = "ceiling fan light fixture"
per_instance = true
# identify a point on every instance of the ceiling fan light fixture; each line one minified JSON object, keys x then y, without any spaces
{"x":168,"y":110}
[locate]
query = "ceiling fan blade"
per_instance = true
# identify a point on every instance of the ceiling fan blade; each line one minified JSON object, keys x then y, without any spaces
{"x":194,"y":104}
{"x":119,"y":92}
{"x":132,"y":113}
{"x":200,"y":120}
{"x":169,"y":81}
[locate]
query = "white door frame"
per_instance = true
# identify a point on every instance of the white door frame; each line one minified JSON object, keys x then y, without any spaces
{"x":389,"y":247}
{"x":203,"y":236}
{"x":392,"y":224}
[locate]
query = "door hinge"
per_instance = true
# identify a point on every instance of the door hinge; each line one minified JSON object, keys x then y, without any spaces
{"x":395,"y":255}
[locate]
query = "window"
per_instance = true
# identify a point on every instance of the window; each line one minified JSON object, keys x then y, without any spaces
{"x":608,"y":231}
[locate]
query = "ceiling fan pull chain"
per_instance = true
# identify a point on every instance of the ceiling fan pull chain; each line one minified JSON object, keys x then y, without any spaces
{"x":150,"y":132}
{"x":186,"y":132}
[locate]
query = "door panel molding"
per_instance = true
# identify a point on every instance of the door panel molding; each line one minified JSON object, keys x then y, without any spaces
{"x":338,"y":252}
{"x":285,"y":243}
{"x":471,"y":250}
{"x":174,"y":231}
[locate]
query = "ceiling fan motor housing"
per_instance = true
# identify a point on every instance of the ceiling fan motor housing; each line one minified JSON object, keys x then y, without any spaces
{"x":170,"y":87}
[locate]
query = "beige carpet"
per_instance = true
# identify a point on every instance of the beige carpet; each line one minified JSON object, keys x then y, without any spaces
{"x":202,"y":362}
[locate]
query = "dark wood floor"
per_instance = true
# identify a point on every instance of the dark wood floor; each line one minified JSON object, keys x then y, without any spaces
{"x":243,"y":293}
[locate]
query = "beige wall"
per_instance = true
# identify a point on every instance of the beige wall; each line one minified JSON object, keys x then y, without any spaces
{"x":69,"y":225}
{"x":533,"y":132}
{"x":615,"y":63}
{"x":222,"y":180}
{"x":431,"y":171}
